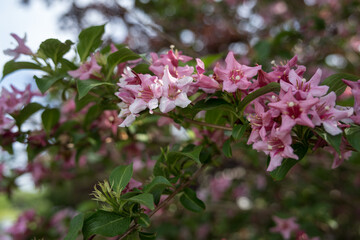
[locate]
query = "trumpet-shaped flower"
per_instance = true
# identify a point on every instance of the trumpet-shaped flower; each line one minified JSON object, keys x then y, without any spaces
{"x":235,"y":76}
{"x":20,"y":49}
{"x":174,"y":92}
{"x":86,"y":70}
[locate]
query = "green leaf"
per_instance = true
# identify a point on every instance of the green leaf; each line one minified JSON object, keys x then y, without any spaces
{"x":262,"y":51}
{"x":26,"y":112}
{"x":145,"y":199}
{"x":212,"y":104}
{"x":144,"y":220}
{"x":239,"y":130}
{"x":333,"y":141}
{"x":76,"y":225}
{"x":84,"y":86}
{"x":91,"y":115}
{"x":120,"y":177}
{"x":83,"y":102}
{"x":193,"y":154}
{"x":46,"y":82}
{"x":13,"y":66}
{"x":353,"y":136}
{"x":147,"y":236}
{"x":50,"y":117}
{"x":122,"y":55}
{"x":106,"y":224}
{"x":142,"y":68}
{"x":279,"y":173}
{"x":54,"y":49}
{"x":89,"y":40}
{"x":336,"y":84}
{"x":159,"y":182}
{"x":227,"y":148}
{"x":271,"y":87}
{"x":189,"y":200}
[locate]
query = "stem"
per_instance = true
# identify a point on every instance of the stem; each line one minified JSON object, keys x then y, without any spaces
{"x":198,"y":122}
{"x":166,"y":201}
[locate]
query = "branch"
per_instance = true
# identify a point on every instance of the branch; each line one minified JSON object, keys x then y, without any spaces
{"x":198,"y":122}
{"x":166,"y":201}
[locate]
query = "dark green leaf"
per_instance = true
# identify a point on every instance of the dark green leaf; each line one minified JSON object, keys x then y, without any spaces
{"x":238,"y":131}
{"x":227,"y":148}
{"x":89,"y":40}
{"x":26,"y":112}
{"x":147,"y":236}
{"x":13,"y":66}
{"x":336,"y":84}
{"x":142,"y":68}
{"x":145,"y":199}
{"x":271,"y":87}
{"x":189,"y":200}
{"x":353,"y":136}
{"x":54,"y":49}
{"x":333,"y":141}
{"x":279,"y":173}
{"x":84,"y":86}
{"x":83,"y":102}
{"x":76,"y":225}
{"x":193,"y":154}
{"x":120,"y":177}
{"x":212,"y":104}
{"x":91,"y":115}
{"x":50,"y":117}
{"x":122,"y":55}
{"x":106,"y":224}
{"x":46,"y":82}
{"x":144,"y":220}
{"x":159,"y":182}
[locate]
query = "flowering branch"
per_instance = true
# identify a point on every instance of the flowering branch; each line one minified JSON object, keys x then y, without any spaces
{"x":198,"y":122}
{"x":167,"y":200}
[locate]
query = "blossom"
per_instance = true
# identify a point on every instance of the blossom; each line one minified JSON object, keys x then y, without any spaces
{"x":20,"y":49}
{"x":294,"y":111}
{"x":285,"y":226}
{"x":206,"y":83}
{"x":325,"y":113}
{"x":20,"y":229}
{"x":278,"y":145}
{"x":86,"y":70}
{"x":235,"y":76}
{"x":15,"y":100}
{"x":174,"y":92}
{"x":302,"y":88}
{"x":355,"y":89}
{"x":339,"y":158}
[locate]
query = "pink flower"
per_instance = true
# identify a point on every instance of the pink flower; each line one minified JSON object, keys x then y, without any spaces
{"x":174,"y":92}
{"x":109,"y":121}
{"x":20,"y":49}
{"x":278,"y":146}
{"x":282,"y":72}
{"x":355,"y":89}
{"x":235,"y":76}
{"x":302,"y":88}
{"x":20,"y":230}
{"x":285,"y":226}
{"x":294,"y":111}
{"x":171,"y":59}
{"x":87,"y":70}
{"x":325,"y":113}
{"x":339,"y":158}
{"x":218,"y":186}
{"x":15,"y":100}
{"x":207,"y":84}
{"x":131,"y":185}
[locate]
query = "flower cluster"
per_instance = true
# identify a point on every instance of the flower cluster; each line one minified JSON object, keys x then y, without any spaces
{"x":272,"y":116}
{"x":11,"y":103}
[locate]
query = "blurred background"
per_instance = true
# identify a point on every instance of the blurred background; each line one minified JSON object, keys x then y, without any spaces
{"x":240,"y":196}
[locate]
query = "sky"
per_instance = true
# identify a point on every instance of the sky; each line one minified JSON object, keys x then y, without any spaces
{"x":38,"y":23}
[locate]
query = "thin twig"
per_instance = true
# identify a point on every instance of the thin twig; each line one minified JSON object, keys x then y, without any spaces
{"x":198,"y":122}
{"x":166,"y":201}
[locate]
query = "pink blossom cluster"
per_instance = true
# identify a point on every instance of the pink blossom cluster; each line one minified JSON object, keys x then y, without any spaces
{"x":272,"y":117}
{"x":167,"y":90}
{"x":21,"y":48}
{"x":299,"y":102}
{"x":11,"y":102}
